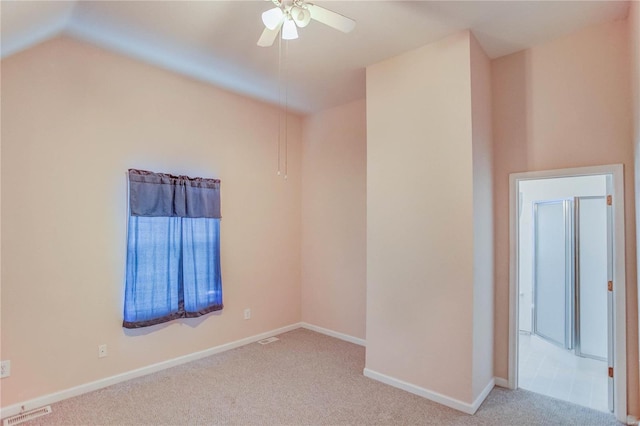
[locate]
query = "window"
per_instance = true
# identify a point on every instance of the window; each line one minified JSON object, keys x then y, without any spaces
{"x":173,"y":248}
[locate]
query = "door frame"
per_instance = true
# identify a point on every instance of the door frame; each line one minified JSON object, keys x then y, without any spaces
{"x":616,"y":173}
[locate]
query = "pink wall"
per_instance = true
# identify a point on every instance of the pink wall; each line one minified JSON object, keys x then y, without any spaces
{"x":334,"y":219}
{"x":420,"y":220}
{"x":634,"y":37}
{"x":634,"y":33}
{"x":483,"y":273}
{"x":559,"y":105}
{"x":74,"y":118}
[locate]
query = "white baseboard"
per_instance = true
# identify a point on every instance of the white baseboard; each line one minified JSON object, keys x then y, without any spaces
{"x":503,"y":383}
{"x":456,"y":404}
{"x":12,"y":410}
{"x":632,"y":420}
{"x":337,"y":335}
{"x":483,"y":395}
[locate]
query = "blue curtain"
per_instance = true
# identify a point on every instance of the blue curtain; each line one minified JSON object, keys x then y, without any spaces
{"x":173,"y":248}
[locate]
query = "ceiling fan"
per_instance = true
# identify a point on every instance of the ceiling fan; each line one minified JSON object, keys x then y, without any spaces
{"x":288,"y":16}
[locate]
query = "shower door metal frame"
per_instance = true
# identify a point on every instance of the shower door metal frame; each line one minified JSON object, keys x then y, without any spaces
{"x":567,"y":209}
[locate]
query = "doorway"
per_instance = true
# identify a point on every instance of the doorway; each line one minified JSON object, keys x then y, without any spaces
{"x":566,"y":308}
{"x":563,"y":256}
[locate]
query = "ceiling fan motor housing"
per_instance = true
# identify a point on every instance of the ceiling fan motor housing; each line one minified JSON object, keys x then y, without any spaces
{"x":301,"y":15}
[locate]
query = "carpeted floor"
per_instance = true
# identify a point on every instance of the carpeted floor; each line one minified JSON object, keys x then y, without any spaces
{"x":306,"y":378}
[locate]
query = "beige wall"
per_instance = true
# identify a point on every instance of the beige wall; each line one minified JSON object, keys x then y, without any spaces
{"x":634,"y":33}
{"x":334,"y":219}
{"x":74,"y":119}
{"x":1,"y":345}
{"x":564,"y":104}
{"x":483,"y":274}
{"x":420,"y":218}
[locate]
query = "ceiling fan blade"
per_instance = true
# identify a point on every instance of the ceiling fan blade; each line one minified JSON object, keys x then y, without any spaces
{"x":269,"y":36}
{"x":330,"y":18}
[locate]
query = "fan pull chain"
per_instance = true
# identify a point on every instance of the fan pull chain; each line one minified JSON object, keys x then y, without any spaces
{"x":286,"y":111}
{"x":279,"y":99}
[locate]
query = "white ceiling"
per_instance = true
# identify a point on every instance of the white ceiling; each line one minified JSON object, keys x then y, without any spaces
{"x":215,"y":41}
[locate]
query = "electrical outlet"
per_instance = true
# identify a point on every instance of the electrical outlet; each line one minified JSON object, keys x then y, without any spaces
{"x":247,"y":314}
{"x":5,"y":369}
{"x":102,"y":351}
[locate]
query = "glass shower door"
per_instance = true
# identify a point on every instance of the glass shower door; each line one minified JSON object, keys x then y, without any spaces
{"x":553,"y":272}
{"x":591,"y":277}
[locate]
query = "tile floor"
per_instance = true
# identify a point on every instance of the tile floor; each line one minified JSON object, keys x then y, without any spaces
{"x":547,"y":369}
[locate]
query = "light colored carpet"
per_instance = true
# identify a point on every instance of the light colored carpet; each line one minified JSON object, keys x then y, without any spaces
{"x":306,"y":378}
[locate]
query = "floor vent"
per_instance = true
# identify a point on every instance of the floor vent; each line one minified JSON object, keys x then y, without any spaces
{"x":26,"y":416}
{"x":268,"y":340}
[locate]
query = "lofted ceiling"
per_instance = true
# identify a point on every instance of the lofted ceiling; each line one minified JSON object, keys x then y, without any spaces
{"x":215,"y":41}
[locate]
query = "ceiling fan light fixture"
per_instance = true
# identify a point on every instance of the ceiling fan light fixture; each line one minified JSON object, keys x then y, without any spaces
{"x":301,"y":16}
{"x":272,"y":18}
{"x":289,"y":30}
{"x":289,"y":15}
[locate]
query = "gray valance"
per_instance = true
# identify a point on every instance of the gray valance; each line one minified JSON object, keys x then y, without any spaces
{"x":161,"y":194}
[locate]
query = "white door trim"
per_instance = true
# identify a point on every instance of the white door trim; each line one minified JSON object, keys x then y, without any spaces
{"x":616,"y":171}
